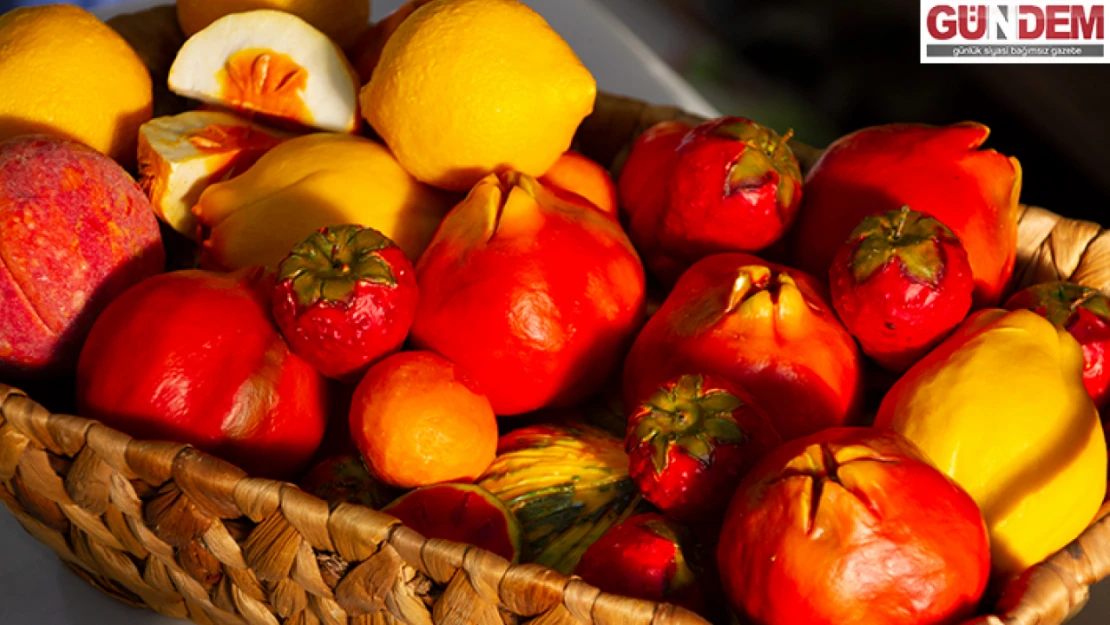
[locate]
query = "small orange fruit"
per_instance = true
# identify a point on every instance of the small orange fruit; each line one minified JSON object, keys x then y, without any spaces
{"x":585,"y":178}
{"x":417,"y":419}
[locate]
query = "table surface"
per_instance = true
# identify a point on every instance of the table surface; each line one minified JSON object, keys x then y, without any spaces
{"x":38,"y":590}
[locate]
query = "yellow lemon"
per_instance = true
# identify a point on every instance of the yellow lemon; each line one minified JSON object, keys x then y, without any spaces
{"x":468,"y":87}
{"x":341,"y":20}
{"x":311,"y":182}
{"x":1001,"y":408}
{"x":67,"y":73}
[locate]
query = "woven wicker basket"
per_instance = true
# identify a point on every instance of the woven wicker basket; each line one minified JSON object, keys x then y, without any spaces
{"x":161,"y":525}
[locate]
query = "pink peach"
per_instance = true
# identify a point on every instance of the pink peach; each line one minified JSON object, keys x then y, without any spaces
{"x":75,"y":231}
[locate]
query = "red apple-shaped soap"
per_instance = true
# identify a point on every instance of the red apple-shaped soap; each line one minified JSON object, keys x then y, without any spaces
{"x":1085,"y":313}
{"x":938,"y":170}
{"x":643,"y":190}
{"x":901,"y":284}
{"x":649,"y":557}
{"x":734,"y":186}
{"x":194,"y":357}
{"x":534,"y":296}
{"x":75,"y":231}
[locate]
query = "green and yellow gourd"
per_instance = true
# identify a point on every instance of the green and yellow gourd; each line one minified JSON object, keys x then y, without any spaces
{"x":566,"y":484}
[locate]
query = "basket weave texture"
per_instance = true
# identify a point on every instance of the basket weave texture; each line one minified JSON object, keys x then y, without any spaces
{"x":161,"y":525}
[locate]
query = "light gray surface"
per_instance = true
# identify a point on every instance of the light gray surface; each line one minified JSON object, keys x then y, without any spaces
{"x":35,"y":589}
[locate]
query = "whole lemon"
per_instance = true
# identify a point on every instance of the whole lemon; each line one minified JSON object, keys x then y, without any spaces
{"x":1001,"y":408}
{"x":342,"y":20}
{"x":468,"y":87}
{"x":68,"y":74}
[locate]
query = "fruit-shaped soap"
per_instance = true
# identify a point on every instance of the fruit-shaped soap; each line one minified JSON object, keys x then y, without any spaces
{"x":535,"y":295}
{"x":938,"y":170}
{"x":180,"y":156}
{"x":465,"y":88}
{"x":577,"y":174}
{"x":642,"y":188}
{"x":68,"y":74}
{"x":419,"y":419}
{"x":1000,"y":407}
{"x":308,"y":183}
{"x":463,"y":513}
{"x":649,"y":557}
{"x":766,"y":328}
{"x":852,"y":525}
{"x":900,"y":284}
{"x":691,"y":441}
{"x":1085,"y":313}
{"x":734,"y":186}
{"x":345,"y":298}
{"x":567,"y":484}
{"x":193,"y":357}
{"x":272,"y":64}
{"x":75,"y":232}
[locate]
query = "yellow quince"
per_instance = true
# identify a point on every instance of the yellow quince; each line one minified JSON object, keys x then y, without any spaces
{"x":1001,"y":408}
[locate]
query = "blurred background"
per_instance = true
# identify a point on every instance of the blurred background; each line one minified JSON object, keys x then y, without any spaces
{"x":825,"y":68}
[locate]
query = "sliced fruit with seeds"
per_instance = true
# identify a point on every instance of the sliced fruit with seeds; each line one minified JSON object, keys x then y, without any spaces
{"x":271,"y":64}
{"x":179,"y":156}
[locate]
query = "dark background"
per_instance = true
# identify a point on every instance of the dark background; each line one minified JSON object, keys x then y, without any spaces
{"x":827,"y":67}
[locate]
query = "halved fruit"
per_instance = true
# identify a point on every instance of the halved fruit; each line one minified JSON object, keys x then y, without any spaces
{"x":179,"y":156}
{"x":462,"y":513}
{"x":271,"y":64}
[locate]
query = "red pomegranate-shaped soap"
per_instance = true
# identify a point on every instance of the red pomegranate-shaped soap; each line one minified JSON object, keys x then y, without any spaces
{"x":194,"y":357}
{"x":532,"y":294}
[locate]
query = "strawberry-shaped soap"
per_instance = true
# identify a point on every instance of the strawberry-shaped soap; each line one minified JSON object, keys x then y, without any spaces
{"x":1085,"y":313}
{"x":900,"y":284}
{"x":344,"y":299}
{"x":691,"y":442}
